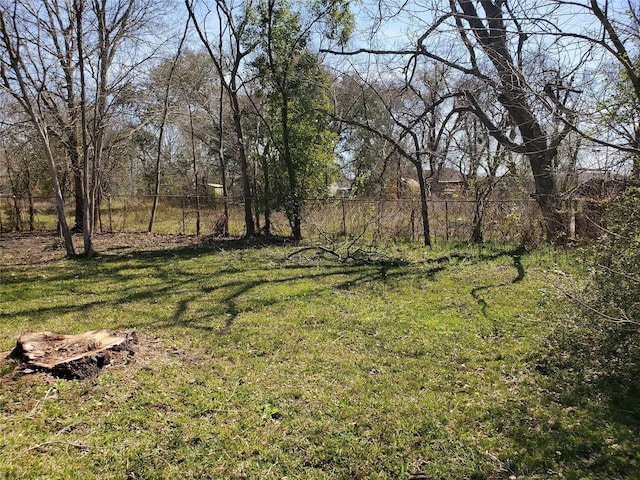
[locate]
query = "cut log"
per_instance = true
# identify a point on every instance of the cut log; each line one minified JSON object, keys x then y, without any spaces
{"x":70,"y":356}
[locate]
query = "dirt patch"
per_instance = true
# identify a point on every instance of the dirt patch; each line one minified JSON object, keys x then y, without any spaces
{"x":31,"y":248}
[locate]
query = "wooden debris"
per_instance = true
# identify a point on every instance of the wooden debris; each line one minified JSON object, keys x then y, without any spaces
{"x":71,"y":356}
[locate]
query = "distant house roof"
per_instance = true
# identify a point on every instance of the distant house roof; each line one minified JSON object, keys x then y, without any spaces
{"x":590,"y":174}
{"x":215,"y":189}
{"x":446,"y":175}
{"x":597,"y":183}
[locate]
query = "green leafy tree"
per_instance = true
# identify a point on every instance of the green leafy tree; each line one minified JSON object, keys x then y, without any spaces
{"x":366,"y":156}
{"x":294,"y":85}
{"x":606,"y":341}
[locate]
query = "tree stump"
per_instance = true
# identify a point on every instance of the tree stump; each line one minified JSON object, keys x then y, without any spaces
{"x":71,"y":356}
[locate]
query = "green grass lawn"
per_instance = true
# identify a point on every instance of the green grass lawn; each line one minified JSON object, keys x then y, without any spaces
{"x":259,"y":366}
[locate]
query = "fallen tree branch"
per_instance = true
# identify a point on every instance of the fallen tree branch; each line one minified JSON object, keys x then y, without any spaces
{"x":41,"y":401}
{"x":79,"y":446}
{"x":604,"y":316}
{"x":361,"y":256}
{"x":322,"y":249}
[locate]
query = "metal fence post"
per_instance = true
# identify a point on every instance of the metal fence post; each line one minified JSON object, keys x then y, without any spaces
{"x":446,"y":220}
{"x":110,"y":215}
{"x":344,"y":218}
{"x":413,"y":223}
{"x":183,"y":215}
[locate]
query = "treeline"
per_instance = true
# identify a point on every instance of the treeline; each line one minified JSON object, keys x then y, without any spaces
{"x":276,"y":101}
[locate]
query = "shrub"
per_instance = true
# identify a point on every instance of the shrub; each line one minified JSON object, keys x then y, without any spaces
{"x":615,"y":260}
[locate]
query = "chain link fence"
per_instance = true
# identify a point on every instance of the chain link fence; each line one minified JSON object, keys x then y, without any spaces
{"x":505,"y":221}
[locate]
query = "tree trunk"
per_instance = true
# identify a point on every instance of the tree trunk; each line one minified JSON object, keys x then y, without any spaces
{"x":424,"y":206}
{"x":57,"y":192}
{"x":223,"y":164}
{"x":293,"y":204}
{"x":541,"y":158}
{"x":32,"y":214}
{"x":195,"y":170}
{"x":635,"y":159}
{"x":547,"y":196}
{"x":156,"y":188}
{"x":17,"y":221}
{"x":87,"y":226}
{"x":267,"y":189}
{"x":244,"y":164}
{"x":477,"y":235}
{"x":513,"y":96}
{"x":78,"y":192}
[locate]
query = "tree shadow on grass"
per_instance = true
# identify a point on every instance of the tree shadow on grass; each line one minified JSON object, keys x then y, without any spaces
{"x":230,"y":287}
{"x":210,"y":301}
{"x":327,"y":277}
{"x":234,"y":293}
{"x":476,"y":292}
{"x":587,"y":421}
{"x":164,"y":277}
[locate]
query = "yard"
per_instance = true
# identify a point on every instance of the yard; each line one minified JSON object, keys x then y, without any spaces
{"x":264,"y":362}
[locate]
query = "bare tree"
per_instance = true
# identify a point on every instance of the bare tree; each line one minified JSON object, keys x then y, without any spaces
{"x":481,"y":161}
{"x":163,"y":122}
{"x":116,"y":24}
{"x":234,"y":25}
{"x":61,"y":27}
{"x":196,"y":84}
{"x":483,"y":27}
{"x":24,"y":71}
{"x":424,"y":113}
{"x":59,"y":62}
{"x":86,"y":203}
{"x":491,"y":42}
{"x":612,"y":30}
